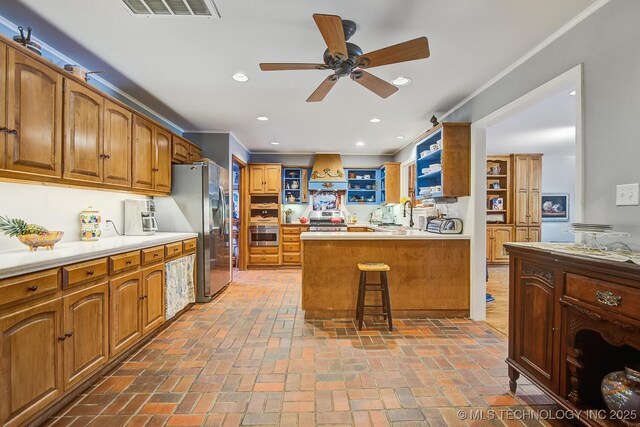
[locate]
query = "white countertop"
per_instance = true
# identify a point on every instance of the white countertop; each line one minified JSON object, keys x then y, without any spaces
{"x":380,"y":235}
{"x":20,"y":261}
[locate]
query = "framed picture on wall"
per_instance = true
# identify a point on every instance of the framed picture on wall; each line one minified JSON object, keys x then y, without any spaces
{"x":555,"y":207}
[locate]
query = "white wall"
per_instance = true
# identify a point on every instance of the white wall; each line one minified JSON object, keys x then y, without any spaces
{"x":559,"y":176}
{"x":58,"y":208}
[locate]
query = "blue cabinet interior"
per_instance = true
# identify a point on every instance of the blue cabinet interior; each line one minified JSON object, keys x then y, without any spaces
{"x":363,"y":186}
{"x":292,"y":177}
{"x":426,"y":179}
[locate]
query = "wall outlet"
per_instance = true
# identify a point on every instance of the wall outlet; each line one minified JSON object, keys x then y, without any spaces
{"x":107,"y":225}
{"x":627,"y":194}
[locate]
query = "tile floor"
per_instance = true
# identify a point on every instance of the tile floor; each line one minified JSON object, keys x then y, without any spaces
{"x":251,"y":359}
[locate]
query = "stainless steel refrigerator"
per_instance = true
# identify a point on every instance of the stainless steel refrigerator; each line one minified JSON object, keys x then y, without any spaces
{"x":199,"y":203}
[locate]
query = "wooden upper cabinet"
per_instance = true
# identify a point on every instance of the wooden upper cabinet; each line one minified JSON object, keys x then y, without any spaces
{"x":83,"y":134}
{"x":142,"y":154}
{"x":117,"y":145}
{"x":392,"y":182}
{"x":179,"y":150}
{"x":273,"y":178}
{"x":162,"y":160}
{"x":195,"y":153}
{"x":3,"y":102}
{"x":256,"y":179}
{"x":34,"y":117}
{"x":527,"y":182}
{"x":456,"y":159}
{"x":31,"y":360}
{"x":86,"y":329}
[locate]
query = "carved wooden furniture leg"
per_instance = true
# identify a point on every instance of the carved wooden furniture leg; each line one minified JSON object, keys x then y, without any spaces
{"x":513,"y":378}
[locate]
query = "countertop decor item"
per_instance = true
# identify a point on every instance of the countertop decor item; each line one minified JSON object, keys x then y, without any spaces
{"x":287,"y":215}
{"x":32,"y":235}
{"x":621,"y":393}
{"x":90,"y":224}
{"x":303,"y":220}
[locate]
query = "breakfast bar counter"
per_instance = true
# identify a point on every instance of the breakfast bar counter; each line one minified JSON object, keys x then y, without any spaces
{"x":429,"y":274}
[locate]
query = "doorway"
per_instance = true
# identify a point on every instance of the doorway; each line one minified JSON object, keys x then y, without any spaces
{"x":238,"y":207}
{"x":481,"y":132}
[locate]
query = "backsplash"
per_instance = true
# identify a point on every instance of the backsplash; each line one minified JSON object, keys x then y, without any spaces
{"x":58,"y":208}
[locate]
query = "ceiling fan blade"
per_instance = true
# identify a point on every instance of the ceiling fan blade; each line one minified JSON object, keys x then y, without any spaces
{"x":330,"y":27}
{"x":374,"y":84}
{"x":268,"y":66}
{"x":401,"y":52}
{"x":324,"y":88}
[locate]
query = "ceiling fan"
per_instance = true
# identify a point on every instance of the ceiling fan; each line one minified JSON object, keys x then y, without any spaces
{"x":347,"y":59}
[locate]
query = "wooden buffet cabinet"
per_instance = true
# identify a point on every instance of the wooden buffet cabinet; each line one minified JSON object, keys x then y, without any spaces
{"x":62,"y":326}
{"x":572,"y":320}
{"x":58,"y":129}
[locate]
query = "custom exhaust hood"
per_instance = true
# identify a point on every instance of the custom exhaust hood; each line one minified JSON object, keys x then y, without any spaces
{"x":327,"y":173}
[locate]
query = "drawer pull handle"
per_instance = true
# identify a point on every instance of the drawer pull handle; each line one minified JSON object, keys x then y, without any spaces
{"x":156,"y":255}
{"x":608,"y":298}
{"x":129,"y":262}
{"x":69,"y":334}
{"x":62,"y":337}
{"x":32,"y":288}
{"x":90,"y":272}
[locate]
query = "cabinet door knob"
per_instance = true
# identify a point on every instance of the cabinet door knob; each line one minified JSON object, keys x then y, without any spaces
{"x":141,"y":297}
{"x":13,"y":132}
{"x":129,"y":262}
{"x":62,"y":337}
{"x":4,"y":129}
{"x":69,"y":334}
{"x":32,"y":288}
{"x":156,"y":255}
{"x":90,"y":272}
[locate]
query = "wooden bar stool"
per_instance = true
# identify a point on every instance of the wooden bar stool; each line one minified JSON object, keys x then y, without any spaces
{"x":383,"y":288}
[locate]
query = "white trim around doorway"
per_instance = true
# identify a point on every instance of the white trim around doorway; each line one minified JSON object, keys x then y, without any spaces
{"x":571,"y":79}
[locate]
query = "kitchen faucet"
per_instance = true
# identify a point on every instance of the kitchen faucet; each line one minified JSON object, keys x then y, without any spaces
{"x":404,"y":212}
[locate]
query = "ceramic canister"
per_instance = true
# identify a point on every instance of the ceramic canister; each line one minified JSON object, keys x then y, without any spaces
{"x":90,"y":224}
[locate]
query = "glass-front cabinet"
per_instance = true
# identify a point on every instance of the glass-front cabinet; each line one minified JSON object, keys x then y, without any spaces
{"x":294,"y":185}
{"x":363,"y":186}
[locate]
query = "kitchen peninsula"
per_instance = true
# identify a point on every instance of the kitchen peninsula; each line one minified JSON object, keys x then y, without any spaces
{"x":429,"y":272}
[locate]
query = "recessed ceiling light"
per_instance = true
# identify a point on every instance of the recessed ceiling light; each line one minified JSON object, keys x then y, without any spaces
{"x":360,"y":143}
{"x":262,"y":118}
{"x":239,"y":77}
{"x":399,"y":136}
{"x":274,"y":143}
{"x":375,"y":120}
{"x":572,"y":93}
{"x":401,"y":81}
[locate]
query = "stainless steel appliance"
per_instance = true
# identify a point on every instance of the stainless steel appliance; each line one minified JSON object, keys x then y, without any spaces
{"x":139,"y":217}
{"x":199,"y":203}
{"x":445,"y":225}
{"x":264,"y":235}
{"x":326,"y":221}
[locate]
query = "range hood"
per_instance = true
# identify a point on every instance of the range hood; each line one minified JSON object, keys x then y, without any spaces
{"x":327,"y":173}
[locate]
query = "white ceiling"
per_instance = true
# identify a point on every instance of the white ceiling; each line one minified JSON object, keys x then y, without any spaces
{"x":184,"y":65}
{"x":547,"y":127}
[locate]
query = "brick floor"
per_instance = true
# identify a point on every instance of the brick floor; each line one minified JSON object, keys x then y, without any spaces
{"x":250,"y":358}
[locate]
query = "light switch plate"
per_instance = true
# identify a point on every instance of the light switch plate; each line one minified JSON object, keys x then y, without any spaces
{"x":627,"y":194}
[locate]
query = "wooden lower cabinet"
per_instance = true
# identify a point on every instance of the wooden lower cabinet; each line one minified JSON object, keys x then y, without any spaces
{"x":497,"y":236}
{"x":86,"y":332}
{"x":527,"y":234}
{"x":152,"y":298}
{"x":125,"y":312}
{"x":291,"y":244}
{"x":31,"y":360}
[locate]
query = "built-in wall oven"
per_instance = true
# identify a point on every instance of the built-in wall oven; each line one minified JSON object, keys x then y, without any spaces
{"x":264,"y":235}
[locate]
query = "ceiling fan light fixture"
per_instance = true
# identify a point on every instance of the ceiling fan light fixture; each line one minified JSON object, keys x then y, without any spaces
{"x":239,"y":77}
{"x":375,"y":120}
{"x":401,"y":81}
{"x":262,"y":118}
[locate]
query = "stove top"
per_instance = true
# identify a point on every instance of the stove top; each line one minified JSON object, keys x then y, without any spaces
{"x":325,"y":221}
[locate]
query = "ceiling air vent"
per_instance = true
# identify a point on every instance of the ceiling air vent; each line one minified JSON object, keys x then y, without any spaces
{"x":159,"y":8}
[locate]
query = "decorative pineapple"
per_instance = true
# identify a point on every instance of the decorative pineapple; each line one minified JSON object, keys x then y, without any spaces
{"x":32,"y":235}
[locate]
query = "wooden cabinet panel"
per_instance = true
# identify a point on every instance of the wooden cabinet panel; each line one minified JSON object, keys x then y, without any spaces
{"x":152,"y":298}
{"x":179,"y":149}
{"x":534,"y":320}
{"x":522,"y":234}
{"x":124,"y":312}
{"x":86,"y":328}
{"x":28,"y":286}
{"x":256,"y":179}
{"x":497,"y":236}
{"x":76,"y":274}
{"x":195,"y":153}
{"x":535,"y":234}
{"x":527,"y":180}
{"x":34,"y":117}
{"x":272,"y":174}
{"x":392,"y":182}
{"x":189,"y":246}
{"x":162,"y":160}
{"x":83,"y":133}
{"x":117,"y":145}
{"x":172,"y":250}
{"x":31,"y":360}
{"x":264,"y":259}
{"x":142,"y":154}
{"x":151,"y":255}
{"x":263,"y":250}
{"x":605,"y":295}
{"x":3,"y":102}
